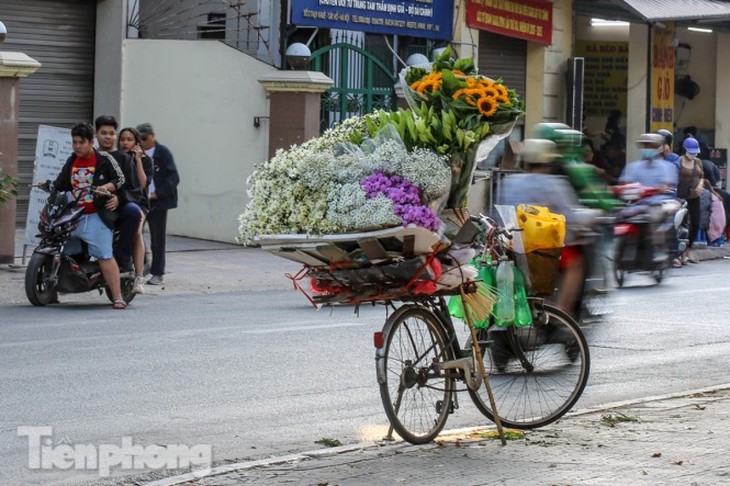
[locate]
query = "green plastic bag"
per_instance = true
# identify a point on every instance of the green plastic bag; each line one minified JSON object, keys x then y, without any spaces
{"x":486,"y":275}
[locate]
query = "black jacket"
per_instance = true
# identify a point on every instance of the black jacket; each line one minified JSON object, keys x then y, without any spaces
{"x":133,"y":190}
{"x":166,"y":179}
{"x":107,"y":170}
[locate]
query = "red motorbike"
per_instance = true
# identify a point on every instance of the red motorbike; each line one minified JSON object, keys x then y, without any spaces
{"x":647,"y":232}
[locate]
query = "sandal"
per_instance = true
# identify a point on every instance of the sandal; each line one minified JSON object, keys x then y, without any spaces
{"x":677,"y":263}
{"x":119,"y":304}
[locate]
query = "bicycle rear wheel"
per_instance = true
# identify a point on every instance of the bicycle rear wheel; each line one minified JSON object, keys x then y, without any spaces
{"x":416,"y":395}
{"x":538,"y":372}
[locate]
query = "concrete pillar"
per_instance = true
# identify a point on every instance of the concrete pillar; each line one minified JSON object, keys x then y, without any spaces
{"x":722,"y":101}
{"x":637,"y":97}
{"x":294,"y":106}
{"x":13,"y":66}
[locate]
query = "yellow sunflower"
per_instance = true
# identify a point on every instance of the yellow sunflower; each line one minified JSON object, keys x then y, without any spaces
{"x":503,"y":99}
{"x":485,"y":83}
{"x":430,"y":86}
{"x":501,"y":90}
{"x":490,"y":91}
{"x":487,"y":106}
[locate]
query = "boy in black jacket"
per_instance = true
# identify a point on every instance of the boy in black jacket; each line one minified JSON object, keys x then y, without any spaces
{"x":93,"y":176}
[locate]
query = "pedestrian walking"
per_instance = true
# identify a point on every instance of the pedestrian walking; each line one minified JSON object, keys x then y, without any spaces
{"x":162,"y":197}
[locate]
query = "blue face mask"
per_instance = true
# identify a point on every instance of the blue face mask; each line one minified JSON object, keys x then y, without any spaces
{"x":648,"y":153}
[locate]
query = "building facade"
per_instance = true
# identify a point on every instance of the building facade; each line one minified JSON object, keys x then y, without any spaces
{"x":192,"y":67}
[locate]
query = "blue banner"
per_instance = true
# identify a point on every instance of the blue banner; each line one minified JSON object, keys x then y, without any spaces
{"x":432,"y":19}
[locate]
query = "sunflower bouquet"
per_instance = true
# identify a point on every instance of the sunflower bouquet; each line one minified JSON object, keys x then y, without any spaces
{"x":460,"y":110}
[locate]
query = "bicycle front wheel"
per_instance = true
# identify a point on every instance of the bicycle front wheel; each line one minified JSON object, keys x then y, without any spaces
{"x":538,"y":372}
{"x":416,"y":394}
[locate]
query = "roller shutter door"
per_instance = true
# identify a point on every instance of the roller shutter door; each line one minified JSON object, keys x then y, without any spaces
{"x":60,"y":35}
{"x":503,"y":57}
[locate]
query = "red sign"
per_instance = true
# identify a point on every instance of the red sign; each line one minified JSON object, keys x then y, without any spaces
{"x":531,"y":20}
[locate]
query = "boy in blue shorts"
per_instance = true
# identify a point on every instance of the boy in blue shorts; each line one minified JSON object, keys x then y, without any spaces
{"x":92,"y":177}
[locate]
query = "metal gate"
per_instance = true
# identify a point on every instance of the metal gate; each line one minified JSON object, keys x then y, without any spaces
{"x":60,"y":34}
{"x":362,"y":83}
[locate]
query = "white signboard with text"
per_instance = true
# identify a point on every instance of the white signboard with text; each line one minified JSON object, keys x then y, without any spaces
{"x":52,"y":148}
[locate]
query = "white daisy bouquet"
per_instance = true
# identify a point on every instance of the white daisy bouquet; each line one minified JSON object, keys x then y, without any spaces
{"x":330,"y":185}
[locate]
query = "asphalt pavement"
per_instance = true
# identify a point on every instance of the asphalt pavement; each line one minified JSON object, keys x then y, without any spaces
{"x":681,"y":439}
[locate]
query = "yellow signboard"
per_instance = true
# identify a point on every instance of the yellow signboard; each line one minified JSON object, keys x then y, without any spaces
{"x":662,"y":78}
{"x":605,"y":75}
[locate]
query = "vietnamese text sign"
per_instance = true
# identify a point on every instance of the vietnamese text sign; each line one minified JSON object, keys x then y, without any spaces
{"x":662,"y":78}
{"x":431,"y":19}
{"x":53,"y":147}
{"x":531,"y":20}
{"x":605,"y":75}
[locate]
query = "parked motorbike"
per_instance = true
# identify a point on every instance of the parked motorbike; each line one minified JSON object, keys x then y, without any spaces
{"x":61,"y":263}
{"x":645,"y":232}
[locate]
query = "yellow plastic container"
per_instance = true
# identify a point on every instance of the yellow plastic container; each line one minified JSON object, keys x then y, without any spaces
{"x":541,"y":229}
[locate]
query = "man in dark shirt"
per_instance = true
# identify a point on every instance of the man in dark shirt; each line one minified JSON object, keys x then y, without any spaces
{"x":163,"y":197}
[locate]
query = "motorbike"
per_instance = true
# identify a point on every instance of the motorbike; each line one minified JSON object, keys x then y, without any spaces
{"x":593,"y":302}
{"x":645,"y":232}
{"x":61,"y":263}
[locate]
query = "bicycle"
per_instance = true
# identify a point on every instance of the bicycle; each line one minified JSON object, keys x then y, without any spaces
{"x":531,"y":376}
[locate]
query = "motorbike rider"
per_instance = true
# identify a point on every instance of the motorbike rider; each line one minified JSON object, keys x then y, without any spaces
{"x":540,"y":186}
{"x":670,"y":156}
{"x":654,"y":172}
{"x":130,"y":198}
{"x":668,"y":152}
{"x":92,"y":177}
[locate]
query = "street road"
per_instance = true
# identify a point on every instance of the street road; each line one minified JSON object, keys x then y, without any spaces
{"x":260,"y":373}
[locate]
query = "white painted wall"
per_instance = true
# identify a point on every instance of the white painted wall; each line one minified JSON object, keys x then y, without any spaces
{"x":201,"y":97}
{"x":555,"y":64}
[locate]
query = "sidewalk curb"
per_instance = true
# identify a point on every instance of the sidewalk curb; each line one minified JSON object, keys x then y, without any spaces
{"x":319,"y":453}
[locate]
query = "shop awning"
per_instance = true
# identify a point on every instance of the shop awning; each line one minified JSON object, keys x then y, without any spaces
{"x":656,"y":10}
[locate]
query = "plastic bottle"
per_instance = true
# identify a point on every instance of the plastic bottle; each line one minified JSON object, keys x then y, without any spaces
{"x":505,"y":307}
{"x":523,"y":314}
{"x":486,"y":271}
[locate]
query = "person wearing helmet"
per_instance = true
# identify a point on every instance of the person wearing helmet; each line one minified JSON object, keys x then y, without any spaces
{"x":691,"y":132}
{"x":652,"y":171}
{"x":690,"y":188}
{"x":672,"y":158}
{"x":540,"y":187}
{"x":667,"y":151}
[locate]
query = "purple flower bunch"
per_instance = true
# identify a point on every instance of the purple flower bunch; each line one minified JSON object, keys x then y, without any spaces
{"x":405,"y":196}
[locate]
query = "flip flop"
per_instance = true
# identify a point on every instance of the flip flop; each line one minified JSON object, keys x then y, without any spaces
{"x":677,"y":263}
{"x":119,"y":304}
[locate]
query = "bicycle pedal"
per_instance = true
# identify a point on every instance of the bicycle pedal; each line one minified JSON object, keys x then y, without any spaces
{"x":440,"y":406}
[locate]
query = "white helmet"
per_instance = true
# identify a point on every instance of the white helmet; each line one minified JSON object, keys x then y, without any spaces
{"x":538,"y":151}
{"x":652,"y":140}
